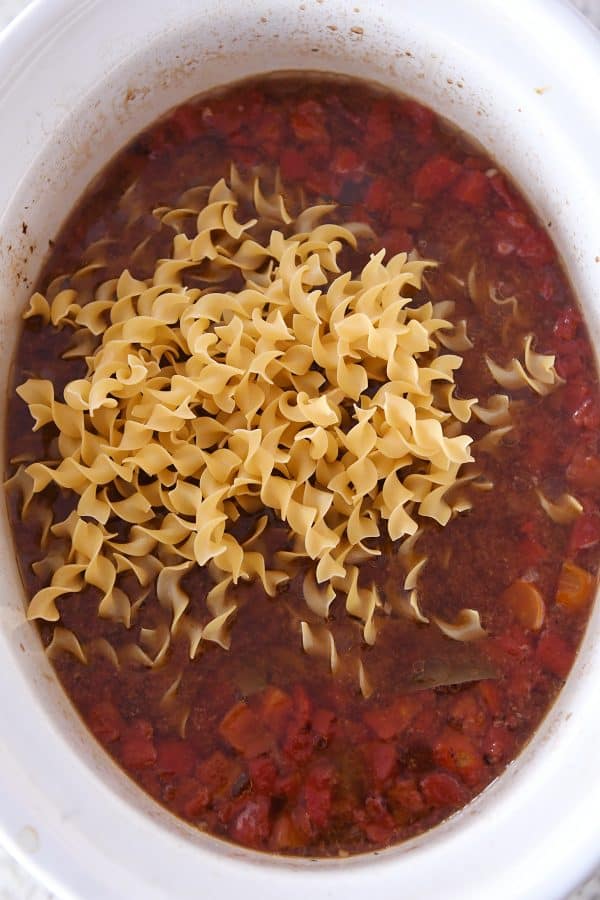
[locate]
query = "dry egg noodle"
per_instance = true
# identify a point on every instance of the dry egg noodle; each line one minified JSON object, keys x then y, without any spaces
{"x":270,"y":430}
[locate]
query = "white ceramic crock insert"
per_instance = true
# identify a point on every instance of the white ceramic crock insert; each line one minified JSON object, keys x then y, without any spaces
{"x":78,"y":78}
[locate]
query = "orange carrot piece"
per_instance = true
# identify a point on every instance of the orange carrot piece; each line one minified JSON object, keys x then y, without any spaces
{"x":526,"y":603}
{"x":575,"y":587}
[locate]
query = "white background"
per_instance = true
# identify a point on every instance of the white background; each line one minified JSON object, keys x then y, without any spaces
{"x":15,"y":883}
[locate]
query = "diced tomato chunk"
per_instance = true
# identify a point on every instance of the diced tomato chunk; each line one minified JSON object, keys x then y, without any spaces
{"x":346,"y":161}
{"x":215,"y":772}
{"x":299,"y":743}
{"x":554,"y":654}
{"x":472,"y":188}
{"x":198,"y":800}
{"x":498,"y":744}
{"x":105,"y":722}
{"x":381,"y":758}
{"x":276,"y":708}
{"x":316,"y":795}
{"x":287,"y":785}
{"x":308,"y":121}
{"x":263,"y":774}
{"x":375,"y":820}
{"x":567,"y":324}
{"x":490,"y":692}
{"x":437,"y":174}
{"x":390,"y":721}
{"x":536,"y":248}
{"x":242,"y":728}
{"x":584,"y":470}
{"x":251,"y":825}
{"x":440,"y":789}
{"x":587,"y":414}
{"x":457,"y":753}
{"x":286,"y":835}
{"x":469,"y":715}
{"x":137,"y":745}
{"x":405,"y":792}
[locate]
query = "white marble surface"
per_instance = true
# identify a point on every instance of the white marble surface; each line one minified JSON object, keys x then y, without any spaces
{"x":15,"y":883}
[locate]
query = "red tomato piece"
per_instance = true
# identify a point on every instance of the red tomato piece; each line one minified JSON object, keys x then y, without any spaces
{"x":457,"y":753}
{"x":243,"y":729}
{"x":390,"y":721}
{"x":587,"y":414}
{"x":286,"y":835}
{"x":472,"y":188}
{"x":216,"y":771}
{"x":105,"y":722}
{"x":346,"y":161}
{"x":440,"y":789}
{"x":381,"y":759}
{"x":251,"y":825}
{"x":276,"y":709}
{"x":406,"y":793}
{"x":263,"y":774}
{"x":287,"y":785}
{"x":174,"y":757}
{"x":299,"y":743}
{"x":584,"y":470}
{"x":197,"y":800}
{"x":554,"y":654}
{"x":567,"y":324}
{"x":490,"y":692}
{"x":308,"y":122}
{"x":536,"y":248}
{"x":498,"y":744}
{"x":437,"y":174}
{"x":375,"y":820}
{"x":316,"y":795}
{"x":469,"y":715}
{"x":137,"y":745}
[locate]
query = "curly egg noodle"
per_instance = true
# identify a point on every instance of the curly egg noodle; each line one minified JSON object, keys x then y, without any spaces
{"x":324,"y":398}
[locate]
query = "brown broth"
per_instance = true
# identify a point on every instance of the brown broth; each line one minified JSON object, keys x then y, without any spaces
{"x":328,"y":772}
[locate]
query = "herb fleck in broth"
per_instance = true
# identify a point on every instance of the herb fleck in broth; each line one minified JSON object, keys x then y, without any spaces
{"x":260,"y":743}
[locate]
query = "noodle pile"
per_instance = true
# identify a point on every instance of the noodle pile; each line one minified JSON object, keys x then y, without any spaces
{"x":319,"y":397}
